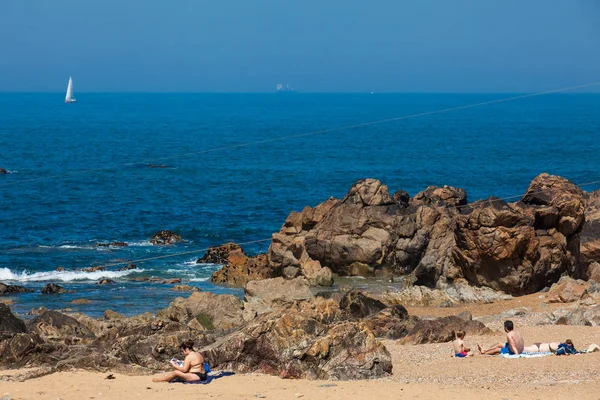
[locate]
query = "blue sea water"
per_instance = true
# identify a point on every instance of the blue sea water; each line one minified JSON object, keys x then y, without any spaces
{"x":237,"y":165}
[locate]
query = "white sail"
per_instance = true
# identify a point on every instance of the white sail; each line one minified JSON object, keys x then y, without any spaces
{"x":69,"y":97}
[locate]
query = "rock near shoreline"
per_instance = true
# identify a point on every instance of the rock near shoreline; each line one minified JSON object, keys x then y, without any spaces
{"x":435,"y":238}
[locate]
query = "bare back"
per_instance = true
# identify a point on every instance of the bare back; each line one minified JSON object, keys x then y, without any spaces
{"x":515,"y":341}
{"x":458,"y":346}
{"x":195,"y":362}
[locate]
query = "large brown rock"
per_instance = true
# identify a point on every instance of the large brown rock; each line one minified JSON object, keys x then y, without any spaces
{"x":219,"y":254}
{"x":165,"y":237}
{"x":278,"y":290}
{"x":436,"y":238}
{"x":12,"y":289}
{"x":305,"y":340}
{"x":54,"y":326}
{"x":9,"y":324}
{"x":241,"y":269}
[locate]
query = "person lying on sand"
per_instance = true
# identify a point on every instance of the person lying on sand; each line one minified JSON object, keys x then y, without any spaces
{"x":514,"y":342}
{"x":191,"y":370}
{"x":557,"y":348}
{"x":460,"y":349}
{"x":539,"y":347}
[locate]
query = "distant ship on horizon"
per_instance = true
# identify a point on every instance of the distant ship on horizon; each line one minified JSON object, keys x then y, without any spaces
{"x":285,"y":89}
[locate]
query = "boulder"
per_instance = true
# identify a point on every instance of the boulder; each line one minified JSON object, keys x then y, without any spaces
{"x":185,"y":288}
{"x":9,"y":324}
{"x":359,"y":306}
{"x":15,"y":351}
{"x":593,"y":272}
{"x":105,"y":281}
{"x":581,"y":316}
{"x":219,"y":254}
{"x":303,"y":341}
{"x":54,"y":326}
{"x":440,"y":330}
{"x":53,"y":288}
{"x":241,"y":269}
{"x":435,"y":237}
{"x":165,"y":237}
{"x":128,"y":267}
{"x":278,"y":290}
{"x":567,"y":290}
{"x":11,"y":289}
{"x":3,"y":171}
{"x":112,"y":244}
{"x":112,"y":315}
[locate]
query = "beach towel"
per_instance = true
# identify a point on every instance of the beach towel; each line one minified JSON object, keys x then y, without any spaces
{"x":209,"y":378}
{"x":526,"y":355}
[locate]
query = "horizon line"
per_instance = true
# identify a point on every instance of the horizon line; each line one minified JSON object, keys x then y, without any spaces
{"x":289,"y":93}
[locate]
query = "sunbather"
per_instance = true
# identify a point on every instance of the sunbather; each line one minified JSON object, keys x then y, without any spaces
{"x":191,"y":370}
{"x":514,"y":342}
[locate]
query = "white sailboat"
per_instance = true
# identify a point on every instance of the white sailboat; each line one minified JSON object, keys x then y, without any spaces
{"x":69,"y":97}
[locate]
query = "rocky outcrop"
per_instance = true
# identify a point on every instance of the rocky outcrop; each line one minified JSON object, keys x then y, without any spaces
{"x":587,"y":316}
{"x":12,"y":289}
{"x":54,"y":326}
{"x":3,"y":171}
{"x":305,"y":340}
{"x":219,"y":254}
{"x":590,"y":235}
{"x":165,"y":237}
{"x":567,"y":290}
{"x":9,"y":324}
{"x":112,"y":244}
{"x":437,"y":238}
{"x":205,"y":311}
{"x":241,"y":269}
{"x":53,"y":288}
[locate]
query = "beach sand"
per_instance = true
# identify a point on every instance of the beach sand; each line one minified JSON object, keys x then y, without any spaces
{"x":420,"y":372}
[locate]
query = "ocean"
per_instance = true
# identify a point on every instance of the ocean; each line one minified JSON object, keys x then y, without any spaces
{"x":233,"y":166}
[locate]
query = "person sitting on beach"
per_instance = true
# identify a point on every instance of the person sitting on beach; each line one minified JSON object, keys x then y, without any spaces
{"x":565,"y":349}
{"x":191,"y":370}
{"x":460,"y":349}
{"x":514,"y":342}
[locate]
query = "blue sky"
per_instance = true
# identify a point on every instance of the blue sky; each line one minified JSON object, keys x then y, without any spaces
{"x":316,"y":46}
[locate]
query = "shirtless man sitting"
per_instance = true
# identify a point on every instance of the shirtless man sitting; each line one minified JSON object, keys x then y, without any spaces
{"x":514,"y":342}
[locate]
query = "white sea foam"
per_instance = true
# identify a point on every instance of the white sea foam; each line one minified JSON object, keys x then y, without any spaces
{"x":143,"y":243}
{"x":64,"y":276}
{"x":199,"y":279}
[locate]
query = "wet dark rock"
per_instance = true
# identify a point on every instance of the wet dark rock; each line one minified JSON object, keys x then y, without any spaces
{"x":112,"y":244}
{"x":128,"y":267}
{"x":165,"y":237}
{"x":3,"y":171}
{"x":11,"y":289}
{"x":94,"y":269}
{"x":53,"y":288}
{"x":219,"y":254}
{"x":10,"y":325}
{"x":105,"y":281}
{"x":185,"y":288}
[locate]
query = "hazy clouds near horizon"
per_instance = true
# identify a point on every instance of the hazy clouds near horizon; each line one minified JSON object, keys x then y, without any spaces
{"x":316,"y":46}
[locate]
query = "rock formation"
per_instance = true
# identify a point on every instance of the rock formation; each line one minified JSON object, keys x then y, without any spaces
{"x":436,"y":237}
{"x":165,"y":237}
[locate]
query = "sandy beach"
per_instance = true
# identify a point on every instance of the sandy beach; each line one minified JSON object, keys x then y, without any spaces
{"x":419,"y":371}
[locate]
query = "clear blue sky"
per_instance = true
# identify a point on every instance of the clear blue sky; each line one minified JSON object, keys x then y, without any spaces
{"x":315,"y":45}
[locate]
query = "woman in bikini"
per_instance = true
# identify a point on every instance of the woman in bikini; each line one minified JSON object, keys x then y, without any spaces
{"x":192,"y":369}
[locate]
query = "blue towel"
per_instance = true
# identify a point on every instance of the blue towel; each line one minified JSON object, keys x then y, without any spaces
{"x":208,"y":380}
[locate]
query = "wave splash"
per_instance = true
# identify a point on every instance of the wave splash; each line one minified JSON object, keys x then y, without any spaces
{"x":64,"y":276}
